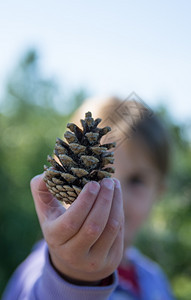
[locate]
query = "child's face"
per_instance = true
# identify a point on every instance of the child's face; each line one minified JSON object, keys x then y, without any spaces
{"x":140,"y":182}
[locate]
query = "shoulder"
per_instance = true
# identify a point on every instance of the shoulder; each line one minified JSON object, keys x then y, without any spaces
{"x":151,"y":277}
{"x":142,"y":261}
{"x":27,"y":272}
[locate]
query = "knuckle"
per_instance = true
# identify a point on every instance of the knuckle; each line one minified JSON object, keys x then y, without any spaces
{"x":92,"y":230}
{"x":113,"y":226}
{"x":69,"y":227}
{"x":105,"y":199}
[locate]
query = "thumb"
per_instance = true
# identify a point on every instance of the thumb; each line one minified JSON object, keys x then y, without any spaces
{"x":47,"y":207}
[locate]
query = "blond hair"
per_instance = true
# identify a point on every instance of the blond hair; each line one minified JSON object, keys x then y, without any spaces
{"x":130,"y":119}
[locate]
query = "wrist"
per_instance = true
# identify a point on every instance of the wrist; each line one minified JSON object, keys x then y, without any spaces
{"x":79,"y":282}
{"x":102,"y":282}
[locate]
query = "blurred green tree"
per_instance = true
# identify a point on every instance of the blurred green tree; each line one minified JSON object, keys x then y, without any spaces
{"x":29,"y":125}
{"x":166,"y":236}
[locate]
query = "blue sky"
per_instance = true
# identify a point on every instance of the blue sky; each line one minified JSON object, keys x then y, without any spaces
{"x":110,"y":47}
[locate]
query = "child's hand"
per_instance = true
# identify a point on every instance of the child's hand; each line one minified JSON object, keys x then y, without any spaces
{"x":86,"y":240}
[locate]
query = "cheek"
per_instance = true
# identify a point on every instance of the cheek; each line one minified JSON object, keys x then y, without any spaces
{"x":137,"y":206}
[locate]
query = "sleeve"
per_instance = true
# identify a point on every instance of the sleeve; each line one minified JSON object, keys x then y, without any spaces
{"x":36,"y":279}
{"x":165,"y":285}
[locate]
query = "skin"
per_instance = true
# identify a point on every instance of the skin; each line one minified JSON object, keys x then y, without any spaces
{"x":85,"y":246}
{"x":141,"y":184}
{"x":87,"y":241}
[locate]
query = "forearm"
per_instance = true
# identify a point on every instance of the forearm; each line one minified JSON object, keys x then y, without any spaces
{"x":36,"y":279}
{"x":102,"y":282}
{"x":51,"y":285}
{"x":85,"y":242}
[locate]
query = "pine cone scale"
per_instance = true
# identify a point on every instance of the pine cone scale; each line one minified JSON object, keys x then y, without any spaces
{"x":79,"y":160}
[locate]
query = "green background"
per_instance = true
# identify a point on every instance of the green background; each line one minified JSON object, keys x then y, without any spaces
{"x":29,"y":125}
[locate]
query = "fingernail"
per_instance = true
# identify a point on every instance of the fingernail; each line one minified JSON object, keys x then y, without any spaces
{"x":37,"y":182}
{"x":93,"y":187}
{"x":117,"y":182}
{"x":108,"y":183}
{"x":35,"y":178}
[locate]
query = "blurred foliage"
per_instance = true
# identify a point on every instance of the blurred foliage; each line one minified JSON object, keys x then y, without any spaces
{"x":166,"y":237}
{"x":29,"y":125}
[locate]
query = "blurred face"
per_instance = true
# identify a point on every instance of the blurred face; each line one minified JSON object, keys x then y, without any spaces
{"x":140,"y":185}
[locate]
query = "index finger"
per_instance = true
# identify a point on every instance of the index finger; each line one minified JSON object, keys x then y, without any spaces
{"x":47,"y":207}
{"x":68,"y":224}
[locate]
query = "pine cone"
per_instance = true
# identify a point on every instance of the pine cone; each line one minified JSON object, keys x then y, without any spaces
{"x":80,"y":160}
